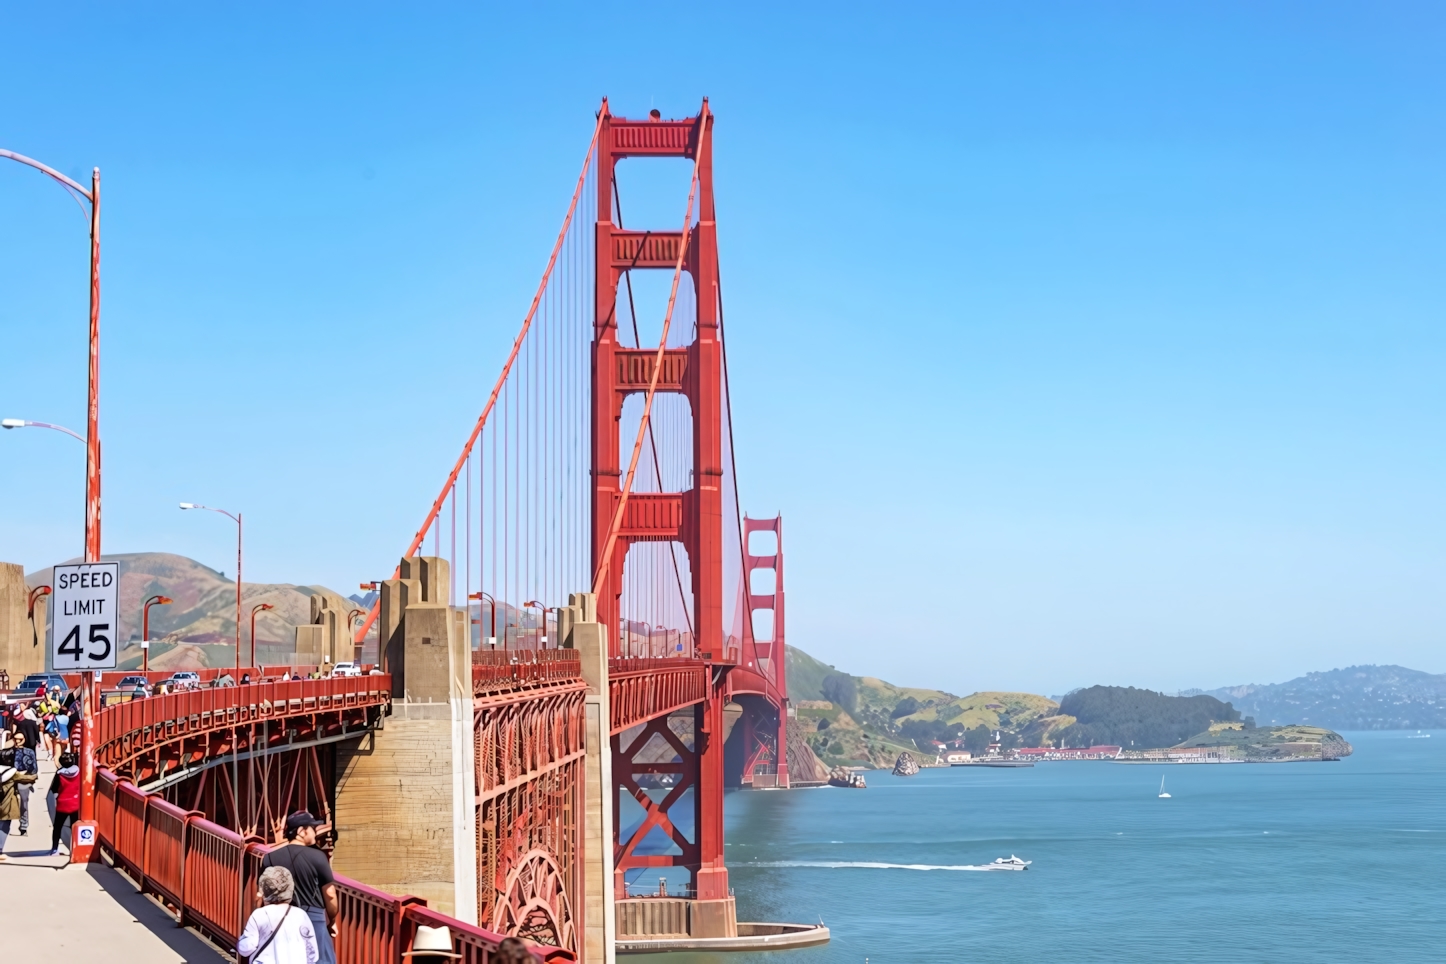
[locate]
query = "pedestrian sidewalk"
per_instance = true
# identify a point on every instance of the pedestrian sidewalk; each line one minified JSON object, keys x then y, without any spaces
{"x":84,"y":912}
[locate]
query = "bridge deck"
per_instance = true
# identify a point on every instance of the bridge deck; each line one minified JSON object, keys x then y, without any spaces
{"x":126,"y":926}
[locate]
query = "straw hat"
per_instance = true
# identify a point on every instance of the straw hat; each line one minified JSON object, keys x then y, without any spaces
{"x":432,"y":942}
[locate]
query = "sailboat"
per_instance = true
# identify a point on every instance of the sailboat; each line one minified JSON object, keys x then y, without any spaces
{"x":1163,"y":794}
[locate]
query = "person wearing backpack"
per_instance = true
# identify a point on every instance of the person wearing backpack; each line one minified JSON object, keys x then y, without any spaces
{"x":11,"y":780}
{"x":276,"y":932}
{"x":66,"y":787}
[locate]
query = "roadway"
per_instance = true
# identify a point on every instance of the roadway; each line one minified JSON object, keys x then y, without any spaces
{"x":69,"y":911}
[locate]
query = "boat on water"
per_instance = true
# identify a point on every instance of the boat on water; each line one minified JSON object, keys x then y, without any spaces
{"x":844,"y":777}
{"x":1163,"y":794}
{"x":1418,"y":735}
{"x":1009,"y":863}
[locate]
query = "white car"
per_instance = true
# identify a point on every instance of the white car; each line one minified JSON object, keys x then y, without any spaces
{"x":346,"y":669}
{"x":184,"y":680}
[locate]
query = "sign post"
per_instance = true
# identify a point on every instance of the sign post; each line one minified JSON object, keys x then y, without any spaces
{"x":86,"y":639}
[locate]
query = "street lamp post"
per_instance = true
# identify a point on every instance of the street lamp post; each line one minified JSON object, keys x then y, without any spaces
{"x":236,"y":519}
{"x":479,"y":596}
{"x":146,"y":629}
{"x":351,"y":634}
{"x":92,"y":424}
{"x":258,"y":608}
{"x":542,"y":633}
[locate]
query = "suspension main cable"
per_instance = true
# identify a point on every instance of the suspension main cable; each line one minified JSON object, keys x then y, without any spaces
{"x":501,"y":378}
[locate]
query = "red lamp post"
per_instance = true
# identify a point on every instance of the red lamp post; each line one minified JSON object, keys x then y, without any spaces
{"x":92,"y":439}
{"x":92,"y":443}
{"x":146,"y":629}
{"x":258,"y":608}
{"x":542,"y":633}
{"x":479,"y":596}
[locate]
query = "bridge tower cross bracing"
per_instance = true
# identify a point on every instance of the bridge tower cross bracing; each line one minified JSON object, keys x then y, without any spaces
{"x":693,"y":517}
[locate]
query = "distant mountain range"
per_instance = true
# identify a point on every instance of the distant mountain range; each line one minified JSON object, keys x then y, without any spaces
{"x":1354,"y":698}
{"x":201,"y":622}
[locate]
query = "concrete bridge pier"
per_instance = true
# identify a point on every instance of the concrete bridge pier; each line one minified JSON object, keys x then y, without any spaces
{"x":405,"y":813}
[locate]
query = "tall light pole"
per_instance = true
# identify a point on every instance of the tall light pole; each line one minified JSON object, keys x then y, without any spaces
{"x":236,"y":519}
{"x":92,"y":423}
{"x":542,"y":636}
{"x":146,"y":629}
{"x":479,"y":596}
{"x":258,"y":608}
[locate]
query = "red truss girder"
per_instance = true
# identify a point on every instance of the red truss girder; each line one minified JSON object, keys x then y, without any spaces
{"x":625,"y":771}
{"x":646,"y":689}
{"x":252,"y":795}
{"x":144,"y":740}
{"x":529,"y":767}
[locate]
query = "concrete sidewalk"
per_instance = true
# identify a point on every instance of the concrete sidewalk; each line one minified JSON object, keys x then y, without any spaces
{"x":79,"y":912}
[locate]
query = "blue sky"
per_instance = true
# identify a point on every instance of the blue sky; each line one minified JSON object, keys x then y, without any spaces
{"x":1076,"y":343}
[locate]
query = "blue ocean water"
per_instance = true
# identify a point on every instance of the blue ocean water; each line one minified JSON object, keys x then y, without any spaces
{"x":1258,"y":862}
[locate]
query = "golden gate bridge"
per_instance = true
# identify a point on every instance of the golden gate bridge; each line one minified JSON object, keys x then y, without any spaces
{"x":596,"y":621}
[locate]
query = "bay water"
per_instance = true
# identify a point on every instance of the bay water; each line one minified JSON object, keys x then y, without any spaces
{"x":1342,"y":861}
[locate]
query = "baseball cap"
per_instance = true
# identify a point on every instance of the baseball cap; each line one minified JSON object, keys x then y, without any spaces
{"x":299,"y":819}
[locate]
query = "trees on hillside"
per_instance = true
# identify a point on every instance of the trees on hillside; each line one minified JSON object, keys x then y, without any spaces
{"x":1125,"y":716}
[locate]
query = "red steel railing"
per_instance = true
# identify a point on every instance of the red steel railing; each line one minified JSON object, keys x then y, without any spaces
{"x":126,"y":730}
{"x":508,"y":667}
{"x":207,"y":875}
{"x":643,"y":689}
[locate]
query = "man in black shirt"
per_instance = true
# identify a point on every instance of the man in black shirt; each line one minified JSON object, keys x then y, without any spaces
{"x":315,"y":884}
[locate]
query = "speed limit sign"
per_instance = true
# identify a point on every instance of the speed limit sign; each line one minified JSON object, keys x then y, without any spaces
{"x":87,"y":620}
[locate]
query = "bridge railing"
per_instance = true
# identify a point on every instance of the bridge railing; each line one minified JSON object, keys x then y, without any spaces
{"x":126,"y":729}
{"x":206,"y":875}
{"x":492,"y":668}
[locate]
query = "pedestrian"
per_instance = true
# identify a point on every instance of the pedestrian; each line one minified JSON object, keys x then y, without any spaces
{"x":25,"y":762}
{"x":11,"y":780}
{"x":66,"y":787}
{"x":315,"y":885}
{"x":276,"y":932}
{"x":27,"y":724}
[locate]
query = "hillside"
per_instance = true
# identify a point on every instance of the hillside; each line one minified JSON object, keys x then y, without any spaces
{"x":1354,"y":698}
{"x":199,"y":628}
{"x":1126,"y":716}
{"x":1273,"y":743}
{"x":864,"y":719}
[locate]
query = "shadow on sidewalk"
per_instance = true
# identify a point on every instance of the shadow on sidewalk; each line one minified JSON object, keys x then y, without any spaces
{"x":189,"y":945}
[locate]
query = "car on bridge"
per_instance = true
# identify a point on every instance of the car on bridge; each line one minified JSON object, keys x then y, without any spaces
{"x":35,"y":680}
{"x":182,"y":679}
{"x":346,"y":669}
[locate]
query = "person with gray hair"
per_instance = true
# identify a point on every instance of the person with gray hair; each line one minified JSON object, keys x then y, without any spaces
{"x":276,"y":932}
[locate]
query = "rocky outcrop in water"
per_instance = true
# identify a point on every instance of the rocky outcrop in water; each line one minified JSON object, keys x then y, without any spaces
{"x":906,"y":765}
{"x":844,"y":777}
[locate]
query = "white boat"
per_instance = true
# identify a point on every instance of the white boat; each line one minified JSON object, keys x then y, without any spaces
{"x":1418,"y":735}
{"x":1009,"y":863}
{"x":1163,"y":794}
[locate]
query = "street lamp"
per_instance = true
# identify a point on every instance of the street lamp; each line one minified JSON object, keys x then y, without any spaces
{"x":92,"y":424}
{"x":146,"y":629}
{"x":35,"y":594}
{"x":534,"y":604}
{"x":479,"y":596}
{"x":236,"y":519}
{"x":26,"y":423}
{"x":258,"y":608}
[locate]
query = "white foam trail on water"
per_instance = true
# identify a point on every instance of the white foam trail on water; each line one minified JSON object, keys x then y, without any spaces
{"x":870,"y":865}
